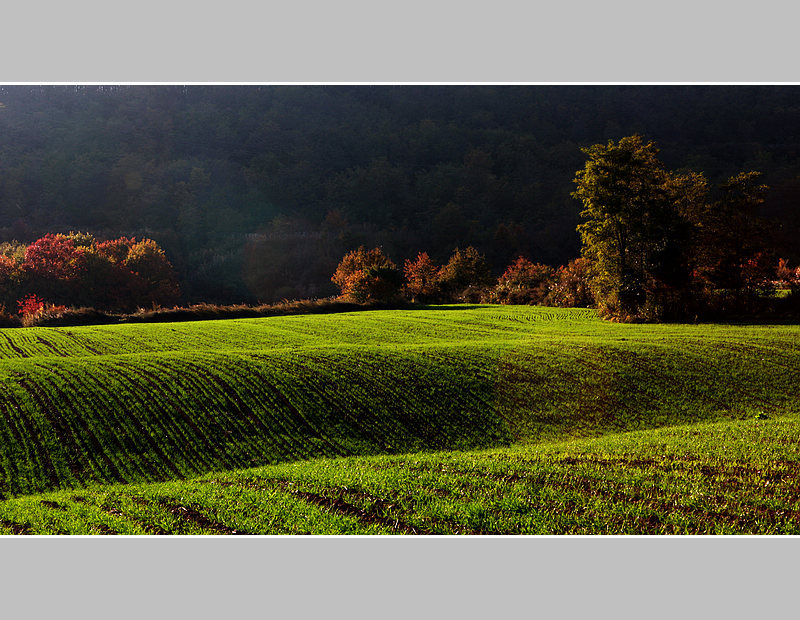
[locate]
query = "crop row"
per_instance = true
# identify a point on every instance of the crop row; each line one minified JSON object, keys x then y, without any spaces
{"x":679,"y":480}
{"x":66,"y":422}
{"x":69,"y":422}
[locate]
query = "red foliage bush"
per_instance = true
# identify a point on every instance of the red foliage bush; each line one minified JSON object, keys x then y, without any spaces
{"x":79,"y":271}
{"x":30,"y":305}
{"x":570,"y":286}
{"x":54,"y":257}
{"x":524,"y":282}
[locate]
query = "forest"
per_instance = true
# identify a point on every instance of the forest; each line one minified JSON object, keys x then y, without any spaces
{"x":255,"y":193}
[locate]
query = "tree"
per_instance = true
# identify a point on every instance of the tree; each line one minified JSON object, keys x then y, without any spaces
{"x":635,"y":236}
{"x":53,"y":257}
{"x":465,"y":276}
{"x":733,"y":241}
{"x":106,"y":282}
{"x":53,"y":266}
{"x":115,"y":250}
{"x":155,"y":282}
{"x":367,"y":275}
{"x":422,"y":278}
{"x":11,"y":278}
{"x":377,"y":284}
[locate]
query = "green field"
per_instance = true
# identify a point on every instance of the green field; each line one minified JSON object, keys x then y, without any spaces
{"x":728,"y":477}
{"x":444,"y":420}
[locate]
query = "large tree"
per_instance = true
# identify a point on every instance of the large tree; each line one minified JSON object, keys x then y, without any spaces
{"x":733,"y":241}
{"x":636,"y":235}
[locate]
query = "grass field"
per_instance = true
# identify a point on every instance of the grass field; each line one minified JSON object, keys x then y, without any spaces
{"x":443,"y":420}
{"x":710,"y":478}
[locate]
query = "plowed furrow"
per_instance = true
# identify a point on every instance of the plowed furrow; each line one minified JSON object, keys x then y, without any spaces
{"x":193,"y":515}
{"x":150,"y":528}
{"x":17,"y":529}
{"x":339,"y":506}
{"x":64,"y":434}
{"x":96,"y":449}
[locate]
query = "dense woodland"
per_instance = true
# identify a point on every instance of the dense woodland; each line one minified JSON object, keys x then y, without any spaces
{"x":256,"y":193}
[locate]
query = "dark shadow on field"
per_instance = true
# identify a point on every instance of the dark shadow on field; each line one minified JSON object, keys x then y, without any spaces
{"x":754,"y":323}
{"x":556,"y":393}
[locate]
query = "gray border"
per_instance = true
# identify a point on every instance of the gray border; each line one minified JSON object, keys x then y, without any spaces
{"x":188,"y":577}
{"x":402,"y":42}
{"x":413,"y":41}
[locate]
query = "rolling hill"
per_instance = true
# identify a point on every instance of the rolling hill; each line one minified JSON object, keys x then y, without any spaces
{"x":162,"y":403}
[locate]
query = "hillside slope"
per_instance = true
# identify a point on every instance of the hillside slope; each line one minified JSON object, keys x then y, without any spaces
{"x":724,"y":477}
{"x":138,"y":403}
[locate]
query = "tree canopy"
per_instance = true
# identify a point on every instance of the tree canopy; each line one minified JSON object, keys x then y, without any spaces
{"x":653,"y":239}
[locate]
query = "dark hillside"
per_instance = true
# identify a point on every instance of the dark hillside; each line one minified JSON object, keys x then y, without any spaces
{"x":256,"y":192}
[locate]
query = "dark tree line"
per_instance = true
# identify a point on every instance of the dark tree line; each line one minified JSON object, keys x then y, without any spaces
{"x":256,"y":193}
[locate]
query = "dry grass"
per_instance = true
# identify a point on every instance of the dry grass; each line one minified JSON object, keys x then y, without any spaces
{"x":195,"y":312}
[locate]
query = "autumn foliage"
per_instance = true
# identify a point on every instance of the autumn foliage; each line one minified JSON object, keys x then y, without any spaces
{"x":524,"y":282}
{"x":466,"y":276}
{"x":54,"y":257}
{"x":570,"y":286}
{"x":30,"y":305}
{"x":367,"y":275}
{"x":76,"y":270}
{"x":422,"y":278}
{"x":787,"y":277}
{"x":665,"y":245}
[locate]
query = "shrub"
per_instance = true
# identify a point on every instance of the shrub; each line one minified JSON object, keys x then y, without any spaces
{"x":33,"y":311}
{"x":570,"y":286}
{"x":787,"y":277}
{"x":524,"y":282}
{"x":30,"y":305}
{"x":758,"y":274}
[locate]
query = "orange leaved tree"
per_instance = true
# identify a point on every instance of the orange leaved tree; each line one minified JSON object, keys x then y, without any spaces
{"x":422,"y":278}
{"x":367,"y":275}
